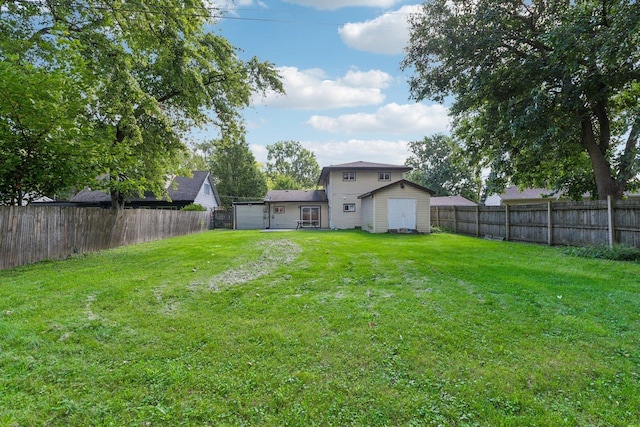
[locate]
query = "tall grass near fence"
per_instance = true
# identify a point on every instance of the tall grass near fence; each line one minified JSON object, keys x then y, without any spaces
{"x":571,"y":223}
{"x":31,"y":234}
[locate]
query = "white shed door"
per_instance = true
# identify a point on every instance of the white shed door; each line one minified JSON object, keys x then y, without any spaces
{"x":402,"y":213}
{"x":250,"y":217}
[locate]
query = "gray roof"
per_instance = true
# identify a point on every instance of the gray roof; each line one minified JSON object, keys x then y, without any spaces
{"x":360,"y":165}
{"x":306,"y":196}
{"x":451,"y":201}
{"x":181,"y":189}
{"x":400,"y":183}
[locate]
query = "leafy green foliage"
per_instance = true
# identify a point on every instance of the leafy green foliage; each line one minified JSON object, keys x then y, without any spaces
{"x":194,"y":207}
{"x":235,"y":172}
{"x":439,"y":164}
{"x":615,"y":253}
{"x":151,"y":71}
{"x":316,"y":329}
{"x":290,"y":166}
{"x":43,"y":139}
{"x":545,"y":93}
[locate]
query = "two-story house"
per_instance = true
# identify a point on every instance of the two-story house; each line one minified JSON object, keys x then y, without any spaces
{"x":371,"y":196}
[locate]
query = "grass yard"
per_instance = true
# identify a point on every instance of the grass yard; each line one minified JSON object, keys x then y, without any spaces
{"x":231,"y":328}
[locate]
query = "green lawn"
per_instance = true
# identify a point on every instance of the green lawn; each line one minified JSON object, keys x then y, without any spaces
{"x":321,"y":328}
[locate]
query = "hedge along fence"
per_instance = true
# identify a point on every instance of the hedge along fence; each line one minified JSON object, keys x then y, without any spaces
{"x":34,"y":233}
{"x":572,"y":223}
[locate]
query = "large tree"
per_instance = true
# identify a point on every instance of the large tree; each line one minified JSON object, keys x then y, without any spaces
{"x":439,"y":164}
{"x":545,"y":92}
{"x":153,"y":70}
{"x":291,"y":166}
{"x":235,"y":171}
{"x":44,"y":147}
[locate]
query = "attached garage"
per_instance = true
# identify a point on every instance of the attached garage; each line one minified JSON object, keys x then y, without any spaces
{"x":250,"y":216}
{"x":402,"y":205}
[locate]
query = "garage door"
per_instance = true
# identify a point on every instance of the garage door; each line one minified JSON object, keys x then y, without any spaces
{"x":402,"y":214}
{"x":250,"y":217}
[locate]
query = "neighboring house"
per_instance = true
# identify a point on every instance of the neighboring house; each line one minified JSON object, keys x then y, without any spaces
{"x":297,"y":209}
{"x":515,"y":196}
{"x":451,"y":201}
{"x":182,"y":191}
{"x":371,"y":196}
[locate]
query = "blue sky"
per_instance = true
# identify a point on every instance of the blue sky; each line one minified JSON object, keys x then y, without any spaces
{"x":346,"y":97}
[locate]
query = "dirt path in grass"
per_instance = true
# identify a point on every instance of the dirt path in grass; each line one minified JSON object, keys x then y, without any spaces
{"x":276,"y":253}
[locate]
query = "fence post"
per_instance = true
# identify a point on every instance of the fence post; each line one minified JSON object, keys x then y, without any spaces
{"x":610,"y":221}
{"x":455,"y":221}
{"x":549,"y":224}
{"x":506,"y":222}
{"x":477,"y":221}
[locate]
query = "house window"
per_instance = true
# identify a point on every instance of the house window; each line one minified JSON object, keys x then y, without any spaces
{"x":384,"y":176}
{"x":349,"y":207}
{"x":207,"y":189}
{"x":348,"y":176}
{"x":278,"y":209}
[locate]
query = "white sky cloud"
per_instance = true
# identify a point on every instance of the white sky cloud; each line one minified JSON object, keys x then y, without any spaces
{"x":336,"y":152}
{"x":311,"y":89}
{"x":337,"y":4}
{"x":387,"y":34}
{"x":389,"y":119}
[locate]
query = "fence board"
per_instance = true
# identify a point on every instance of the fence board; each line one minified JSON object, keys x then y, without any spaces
{"x":571,"y":223}
{"x":34,"y":233}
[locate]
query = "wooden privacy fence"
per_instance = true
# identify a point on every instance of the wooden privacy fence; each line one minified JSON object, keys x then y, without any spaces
{"x":34,"y":233}
{"x":572,"y":223}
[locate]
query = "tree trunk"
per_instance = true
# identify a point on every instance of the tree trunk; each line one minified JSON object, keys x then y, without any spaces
{"x":117,"y":199}
{"x":605,"y":182}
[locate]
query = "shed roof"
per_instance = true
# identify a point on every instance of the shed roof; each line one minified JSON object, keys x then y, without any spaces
{"x":451,"y":201}
{"x":307,"y":196}
{"x":401,"y":184}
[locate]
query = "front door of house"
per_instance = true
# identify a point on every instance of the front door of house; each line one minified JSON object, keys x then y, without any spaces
{"x":310,"y":216}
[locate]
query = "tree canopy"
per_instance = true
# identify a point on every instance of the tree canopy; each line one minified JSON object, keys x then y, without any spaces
{"x":290,"y":166}
{"x":235,"y":171}
{"x":439,"y":164}
{"x":545,"y":92}
{"x":150,"y":72}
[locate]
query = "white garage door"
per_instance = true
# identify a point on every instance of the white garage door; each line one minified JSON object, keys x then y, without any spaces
{"x":250,"y":217}
{"x":402,"y":213}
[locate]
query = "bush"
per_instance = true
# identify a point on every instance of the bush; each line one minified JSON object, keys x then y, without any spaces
{"x":615,"y":253}
{"x":194,"y":207}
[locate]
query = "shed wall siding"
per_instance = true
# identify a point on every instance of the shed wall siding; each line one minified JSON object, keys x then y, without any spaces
{"x":368,"y":218}
{"x":381,"y":201}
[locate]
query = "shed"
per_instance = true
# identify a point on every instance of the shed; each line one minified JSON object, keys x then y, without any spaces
{"x":400,"y":206}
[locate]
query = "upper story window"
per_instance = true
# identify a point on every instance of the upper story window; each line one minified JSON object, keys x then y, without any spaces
{"x":207,"y":188}
{"x":348,"y":176}
{"x":384,"y":176}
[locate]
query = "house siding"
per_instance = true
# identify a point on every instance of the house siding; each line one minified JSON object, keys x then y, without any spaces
{"x":206,"y":200}
{"x":340,"y":192}
{"x":291,"y":215}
